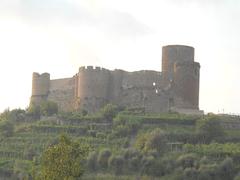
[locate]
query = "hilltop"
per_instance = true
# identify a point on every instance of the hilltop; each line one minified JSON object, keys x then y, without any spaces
{"x":124,"y":143}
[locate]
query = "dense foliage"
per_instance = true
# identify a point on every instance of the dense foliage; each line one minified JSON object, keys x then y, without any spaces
{"x":63,"y":160}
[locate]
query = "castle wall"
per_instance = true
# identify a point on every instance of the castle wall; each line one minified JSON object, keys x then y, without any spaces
{"x":115,"y":84}
{"x":176,"y":87}
{"x":61,"y":91}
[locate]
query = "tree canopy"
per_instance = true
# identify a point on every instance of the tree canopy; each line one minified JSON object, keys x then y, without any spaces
{"x":63,"y":160}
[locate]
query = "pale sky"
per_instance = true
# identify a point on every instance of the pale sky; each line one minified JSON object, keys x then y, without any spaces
{"x":58,"y":36}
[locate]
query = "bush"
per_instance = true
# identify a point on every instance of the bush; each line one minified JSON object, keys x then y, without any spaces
{"x":133,"y":159}
{"x":187,"y":161}
{"x":92,"y":161}
{"x":237,"y":177}
{"x":34,"y":111}
{"x":190,"y":174}
{"x":22,"y":169}
{"x":6,"y":128}
{"x":29,"y":153}
{"x":208,"y":172}
{"x":153,"y":167}
{"x":109,"y":111}
{"x":121,"y":131}
{"x":116,"y":163}
{"x":155,"y":140}
{"x":226,"y":169}
{"x":15,"y":115}
{"x":209,"y":129}
{"x":103,"y":157}
{"x":48,"y":108}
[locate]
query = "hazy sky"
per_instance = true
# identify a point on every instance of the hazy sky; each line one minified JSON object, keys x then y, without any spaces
{"x":58,"y":36}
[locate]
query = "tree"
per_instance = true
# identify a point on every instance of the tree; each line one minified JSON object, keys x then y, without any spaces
{"x":209,"y":129}
{"x":63,"y":160}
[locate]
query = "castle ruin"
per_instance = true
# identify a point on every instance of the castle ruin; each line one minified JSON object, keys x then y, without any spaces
{"x":176,"y":88}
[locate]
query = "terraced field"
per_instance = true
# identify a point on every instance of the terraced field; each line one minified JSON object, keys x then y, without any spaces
{"x":21,"y":151}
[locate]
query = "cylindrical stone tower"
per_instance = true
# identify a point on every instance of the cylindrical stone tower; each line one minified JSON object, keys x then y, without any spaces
{"x":186,"y":84}
{"x":93,"y":87}
{"x":172,"y":54}
{"x":40,"y":87}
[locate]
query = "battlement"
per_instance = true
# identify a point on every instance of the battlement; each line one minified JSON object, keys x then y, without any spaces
{"x":38,"y":75}
{"x":92,"y":69}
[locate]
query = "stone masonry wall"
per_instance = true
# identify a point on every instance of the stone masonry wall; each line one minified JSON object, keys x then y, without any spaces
{"x":62,"y":92}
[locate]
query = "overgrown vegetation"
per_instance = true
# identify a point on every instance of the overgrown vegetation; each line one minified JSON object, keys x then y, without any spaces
{"x":116,"y":143}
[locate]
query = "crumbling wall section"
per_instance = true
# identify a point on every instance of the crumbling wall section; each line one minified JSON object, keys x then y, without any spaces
{"x":138,"y":89}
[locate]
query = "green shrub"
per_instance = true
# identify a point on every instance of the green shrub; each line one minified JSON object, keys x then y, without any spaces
{"x":34,"y":111}
{"x":190,"y":174}
{"x":116,"y":163}
{"x":156,"y":141}
{"x":103,"y":157}
{"x":153,"y":167}
{"x":6,"y":128}
{"x":208,"y":172}
{"x":237,"y":177}
{"x":133,"y":159}
{"x":209,"y":129}
{"x":187,"y":161}
{"x":48,"y":108}
{"x":92,"y":161}
{"x":109,"y":111}
{"x":226,"y":169}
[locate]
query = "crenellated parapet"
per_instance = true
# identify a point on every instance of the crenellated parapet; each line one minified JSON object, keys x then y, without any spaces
{"x":93,"y":69}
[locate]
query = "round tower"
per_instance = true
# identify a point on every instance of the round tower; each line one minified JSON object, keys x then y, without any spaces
{"x":186,"y":84}
{"x":40,"y":87}
{"x":93,"y":87}
{"x":172,"y":54}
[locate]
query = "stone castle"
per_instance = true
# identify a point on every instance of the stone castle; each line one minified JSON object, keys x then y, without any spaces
{"x":176,"y":88}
